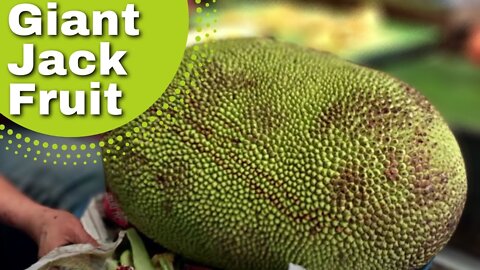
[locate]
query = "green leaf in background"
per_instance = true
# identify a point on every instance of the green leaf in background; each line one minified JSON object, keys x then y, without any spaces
{"x":450,"y":82}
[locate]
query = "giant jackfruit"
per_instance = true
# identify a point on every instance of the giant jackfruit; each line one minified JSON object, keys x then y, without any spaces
{"x":267,"y":153}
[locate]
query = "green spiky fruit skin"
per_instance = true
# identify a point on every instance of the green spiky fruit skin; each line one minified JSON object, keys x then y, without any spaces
{"x":269,"y":154}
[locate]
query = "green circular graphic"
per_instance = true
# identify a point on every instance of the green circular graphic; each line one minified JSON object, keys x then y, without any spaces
{"x":151,"y":60}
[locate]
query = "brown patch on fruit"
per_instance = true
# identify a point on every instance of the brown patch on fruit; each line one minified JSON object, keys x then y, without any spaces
{"x":391,"y":170}
{"x":340,"y":115}
{"x":419,"y":99}
{"x":266,"y":115}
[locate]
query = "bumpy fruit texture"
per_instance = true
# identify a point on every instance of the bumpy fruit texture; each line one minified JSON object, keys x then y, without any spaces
{"x":269,"y":154}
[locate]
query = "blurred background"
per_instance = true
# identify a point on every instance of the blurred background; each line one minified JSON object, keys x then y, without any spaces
{"x":434,"y":45}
